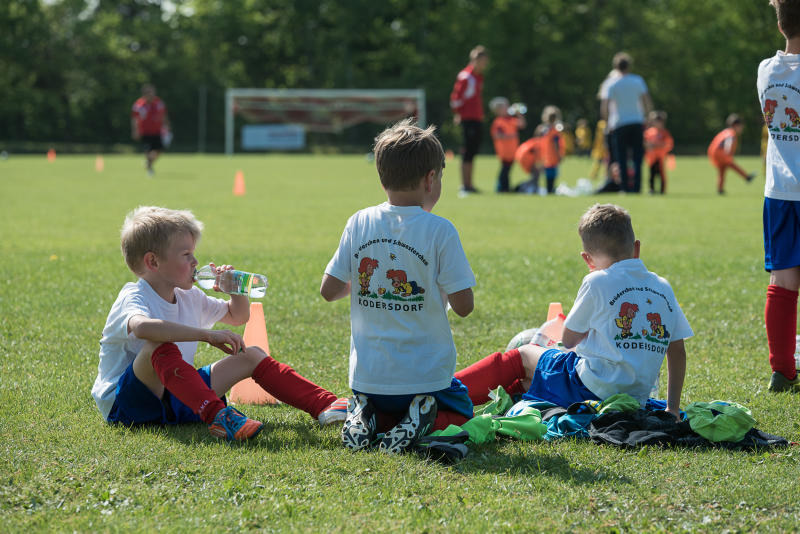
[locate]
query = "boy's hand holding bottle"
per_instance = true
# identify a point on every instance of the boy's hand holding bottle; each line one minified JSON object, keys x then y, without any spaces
{"x":228,"y":280}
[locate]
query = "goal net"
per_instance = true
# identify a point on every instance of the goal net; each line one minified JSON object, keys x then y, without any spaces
{"x":283,"y":119}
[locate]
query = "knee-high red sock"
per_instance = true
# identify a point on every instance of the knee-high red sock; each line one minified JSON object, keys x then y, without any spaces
{"x":780,"y":315}
{"x":283,"y":383}
{"x":498,"y":369}
{"x":183,"y":381}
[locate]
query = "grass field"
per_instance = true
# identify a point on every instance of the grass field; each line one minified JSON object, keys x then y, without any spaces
{"x":63,"y":469}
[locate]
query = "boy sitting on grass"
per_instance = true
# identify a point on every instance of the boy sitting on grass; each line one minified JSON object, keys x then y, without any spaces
{"x":146,"y":372}
{"x":622,"y":323}
{"x":402,"y":355}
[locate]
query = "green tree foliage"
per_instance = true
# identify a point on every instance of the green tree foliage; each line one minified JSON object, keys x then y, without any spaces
{"x":70,"y":69}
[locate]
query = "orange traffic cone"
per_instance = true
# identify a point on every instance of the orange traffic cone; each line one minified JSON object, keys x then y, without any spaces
{"x":51,"y":155}
{"x":553,"y":310}
{"x":238,"y":184}
{"x":99,"y":164}
{"x":255,"y":334}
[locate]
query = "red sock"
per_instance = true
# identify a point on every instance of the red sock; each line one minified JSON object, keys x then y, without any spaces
{"x":498,"y":369}
{"x":283,"y":383}
{"x":780,"y":315}
{"x":446,"y":418}
{"x":183,"y":381}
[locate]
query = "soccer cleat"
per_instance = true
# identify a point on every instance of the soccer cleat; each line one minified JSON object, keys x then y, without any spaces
{"x":778,"y":383}
{"x":416,"y":423}
{"x":233,"y":425}
{"x":360,"y":425}
{"x":751,"y":177}
{"x":335,"y":413}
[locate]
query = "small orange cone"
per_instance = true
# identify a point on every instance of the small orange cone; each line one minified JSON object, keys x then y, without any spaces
{"x":51,"y":155}
{"x":553,"y":310}
{"x":255,"y":334}
{"x":99,"y":164}
{"x":238,"y":184}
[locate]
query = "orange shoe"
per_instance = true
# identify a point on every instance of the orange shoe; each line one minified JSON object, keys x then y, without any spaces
{"x":233,"y":425}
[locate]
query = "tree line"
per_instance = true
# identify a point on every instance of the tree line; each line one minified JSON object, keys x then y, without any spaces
{"x":70,"y":69}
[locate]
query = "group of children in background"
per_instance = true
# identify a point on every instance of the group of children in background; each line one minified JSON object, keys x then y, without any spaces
{"x":552,"y":141}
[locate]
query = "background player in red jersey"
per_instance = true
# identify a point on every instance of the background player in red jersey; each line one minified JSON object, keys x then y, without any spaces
{"x":467,"y":106}
{"x":148,"y":122}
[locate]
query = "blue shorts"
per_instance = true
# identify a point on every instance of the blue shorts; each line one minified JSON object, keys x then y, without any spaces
{"x":556,"y":380}
{"x":135,"y":403}
{"x":781,"y":234}
{"x":453,"y":399}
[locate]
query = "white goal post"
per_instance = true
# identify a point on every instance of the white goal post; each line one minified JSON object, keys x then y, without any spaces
{"x":321,"y":110}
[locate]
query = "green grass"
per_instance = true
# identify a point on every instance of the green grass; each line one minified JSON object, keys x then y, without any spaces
{"x":63,"y":469}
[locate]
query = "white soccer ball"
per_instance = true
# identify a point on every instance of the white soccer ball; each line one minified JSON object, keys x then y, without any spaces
{"x":523,"y":338}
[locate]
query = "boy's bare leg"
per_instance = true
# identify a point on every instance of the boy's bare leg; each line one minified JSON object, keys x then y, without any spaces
{"x":228,"y":371}
{"x":530,"y":359}
{"x":143,"y":369}
{"x":739,"y":170}
{"x":721,"y":179}
{"x":786,"y":278}
{"x":278,"y":379}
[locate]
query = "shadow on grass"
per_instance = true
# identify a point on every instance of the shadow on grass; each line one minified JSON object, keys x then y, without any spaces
{"x":545,"y":461}
{"x":273,"y":437}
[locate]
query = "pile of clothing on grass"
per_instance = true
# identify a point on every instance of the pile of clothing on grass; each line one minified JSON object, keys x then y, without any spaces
{"x":618,"y":420}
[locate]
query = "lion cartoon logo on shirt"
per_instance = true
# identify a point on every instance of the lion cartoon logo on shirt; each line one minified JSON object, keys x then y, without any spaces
{"x":769,"y":111}
{"x":402,"y":285}
{"x":627,"y":311}
{"x":657,"y":329}
{"x":365,"y":270}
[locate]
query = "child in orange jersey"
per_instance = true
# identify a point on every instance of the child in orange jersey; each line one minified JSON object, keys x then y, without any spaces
{"x":657,"y":143}
{"x":529,"y":157}
{"x":505,"y":135}
{"x":722,"y":149}
{"x":553,"y":147}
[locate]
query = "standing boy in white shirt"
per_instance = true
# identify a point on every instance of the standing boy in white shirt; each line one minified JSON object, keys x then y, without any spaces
{"x":401,"y":266}
{"x":779,"y":95}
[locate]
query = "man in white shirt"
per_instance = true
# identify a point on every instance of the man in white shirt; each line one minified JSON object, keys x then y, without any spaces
{"x":625,"y":103}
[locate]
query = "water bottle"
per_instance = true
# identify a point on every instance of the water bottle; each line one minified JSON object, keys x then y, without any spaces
{"x":232,"y":282}
{"x":551,"y":332}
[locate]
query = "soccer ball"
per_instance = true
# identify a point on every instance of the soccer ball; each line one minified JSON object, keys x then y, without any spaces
{"x":523,"y":338}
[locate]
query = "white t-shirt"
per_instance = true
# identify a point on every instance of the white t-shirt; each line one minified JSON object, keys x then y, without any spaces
{"x":118,"y":348}
{"x":624,"y":97}
{"x":402,"y":263}
{"x":779,"y":95}
{"x":631,"y":316}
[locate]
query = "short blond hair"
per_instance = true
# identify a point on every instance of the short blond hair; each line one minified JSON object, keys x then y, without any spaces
{"x":405,"y":153}
{"x":150,"y":229}
{"x":607,"y":229}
